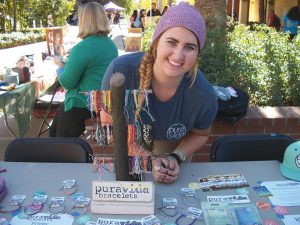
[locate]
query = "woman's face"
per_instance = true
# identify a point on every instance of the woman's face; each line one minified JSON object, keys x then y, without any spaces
{"x":177,"y":53}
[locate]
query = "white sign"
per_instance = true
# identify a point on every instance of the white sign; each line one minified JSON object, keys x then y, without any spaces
{"x":122,"y":197}
{"x":102,"y":221}
{"x":291,"y":219}
{"x":123,"y":191}
{"x":229,"y":198}
{"x":285,"y":193}
{"x":43,"y":219}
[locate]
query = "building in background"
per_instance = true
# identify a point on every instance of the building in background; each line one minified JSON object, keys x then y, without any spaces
{"x":256,"y":11}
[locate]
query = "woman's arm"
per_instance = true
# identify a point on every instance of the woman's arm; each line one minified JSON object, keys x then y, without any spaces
{"x":193,"y":141}
{"x":74,"y":67}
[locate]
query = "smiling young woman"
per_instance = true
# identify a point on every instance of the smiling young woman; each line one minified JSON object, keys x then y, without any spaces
{"x":183,"y":102}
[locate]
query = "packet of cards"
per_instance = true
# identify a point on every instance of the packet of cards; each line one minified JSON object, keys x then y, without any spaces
{"x":216,"y":213}
{"x":245,"y":214}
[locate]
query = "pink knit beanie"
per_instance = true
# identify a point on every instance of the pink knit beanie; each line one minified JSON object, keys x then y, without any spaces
{"x":182,"y":15}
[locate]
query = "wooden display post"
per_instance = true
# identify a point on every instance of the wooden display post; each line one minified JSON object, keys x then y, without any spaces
{"x":117,"y":83}
{"x":121,"y":196}
{"x":54,"y":38}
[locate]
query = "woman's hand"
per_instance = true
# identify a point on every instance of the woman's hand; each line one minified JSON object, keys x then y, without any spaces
{"x":165,"y":170}
{"x":57,"y":60}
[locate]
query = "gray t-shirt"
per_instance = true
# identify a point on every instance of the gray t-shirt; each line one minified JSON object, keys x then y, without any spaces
{"x":190,"y":107}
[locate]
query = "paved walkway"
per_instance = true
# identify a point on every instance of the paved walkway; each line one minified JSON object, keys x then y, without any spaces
{"x":9,"y":57}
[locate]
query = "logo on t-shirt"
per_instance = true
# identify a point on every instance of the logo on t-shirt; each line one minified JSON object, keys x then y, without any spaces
{"x":176,"y":131}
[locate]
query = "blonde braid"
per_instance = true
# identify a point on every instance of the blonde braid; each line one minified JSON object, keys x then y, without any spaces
{"x":146,"y":71}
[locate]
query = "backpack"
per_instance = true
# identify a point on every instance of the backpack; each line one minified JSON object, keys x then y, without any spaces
{"x":233,"y":109}
{"x":137,"y":23}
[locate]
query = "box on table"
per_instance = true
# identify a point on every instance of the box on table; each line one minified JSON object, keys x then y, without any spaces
{"x":133,"y":42}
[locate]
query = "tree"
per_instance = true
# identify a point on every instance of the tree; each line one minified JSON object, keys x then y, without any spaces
{"x":214,"y":52}
{"x":213,"y":12}
{"x":59,"y":9}
{"x":2,"y":16}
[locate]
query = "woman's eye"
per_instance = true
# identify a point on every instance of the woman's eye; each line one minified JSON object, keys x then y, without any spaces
{"x":173,"y":43}
{"x":188,"y":47}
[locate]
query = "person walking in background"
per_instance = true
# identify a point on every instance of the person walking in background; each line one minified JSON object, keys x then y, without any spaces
{"x":133,"y":18}
{"x":291,"y":21}
{"x":183,"y":102}
{"x":153,"y":11}
{"x":273,"y":20}
{"x":84,"y":70}
{"x":140,"y":20}
{"x":166,"y":7}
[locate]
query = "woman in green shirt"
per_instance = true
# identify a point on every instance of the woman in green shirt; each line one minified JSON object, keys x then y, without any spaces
{"x":83,"y":70}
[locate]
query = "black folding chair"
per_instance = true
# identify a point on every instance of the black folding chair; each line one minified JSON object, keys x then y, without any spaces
{"x":47,"y":106}
{"x":250,"y":147}
{"x":62,"y":150}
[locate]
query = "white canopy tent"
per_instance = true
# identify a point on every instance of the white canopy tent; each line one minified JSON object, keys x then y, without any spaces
{"x":110,"y":6}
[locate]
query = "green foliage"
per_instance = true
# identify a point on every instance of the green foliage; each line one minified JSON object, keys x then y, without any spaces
{"x":29,"y":10}
{"x":17,"y":38}
{"x":147,"y":36}
{"x":213,"y":55}
{"x":127,"y":4}
{"x":261,"y":61}
{"x":59,"y":9}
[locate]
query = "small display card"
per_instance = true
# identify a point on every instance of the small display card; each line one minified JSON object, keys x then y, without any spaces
{"x":169,"y":202}
{"x":68,"y":183}
{"x":291,"y":219}
{"x":17,"y":199}
{"x":39,"y":199}
{"x":194,"y":213}
{"x":188,"y":192}
{"x":151,"y":220}
{"x":57,"y":200}
{"x":262,"y":191}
